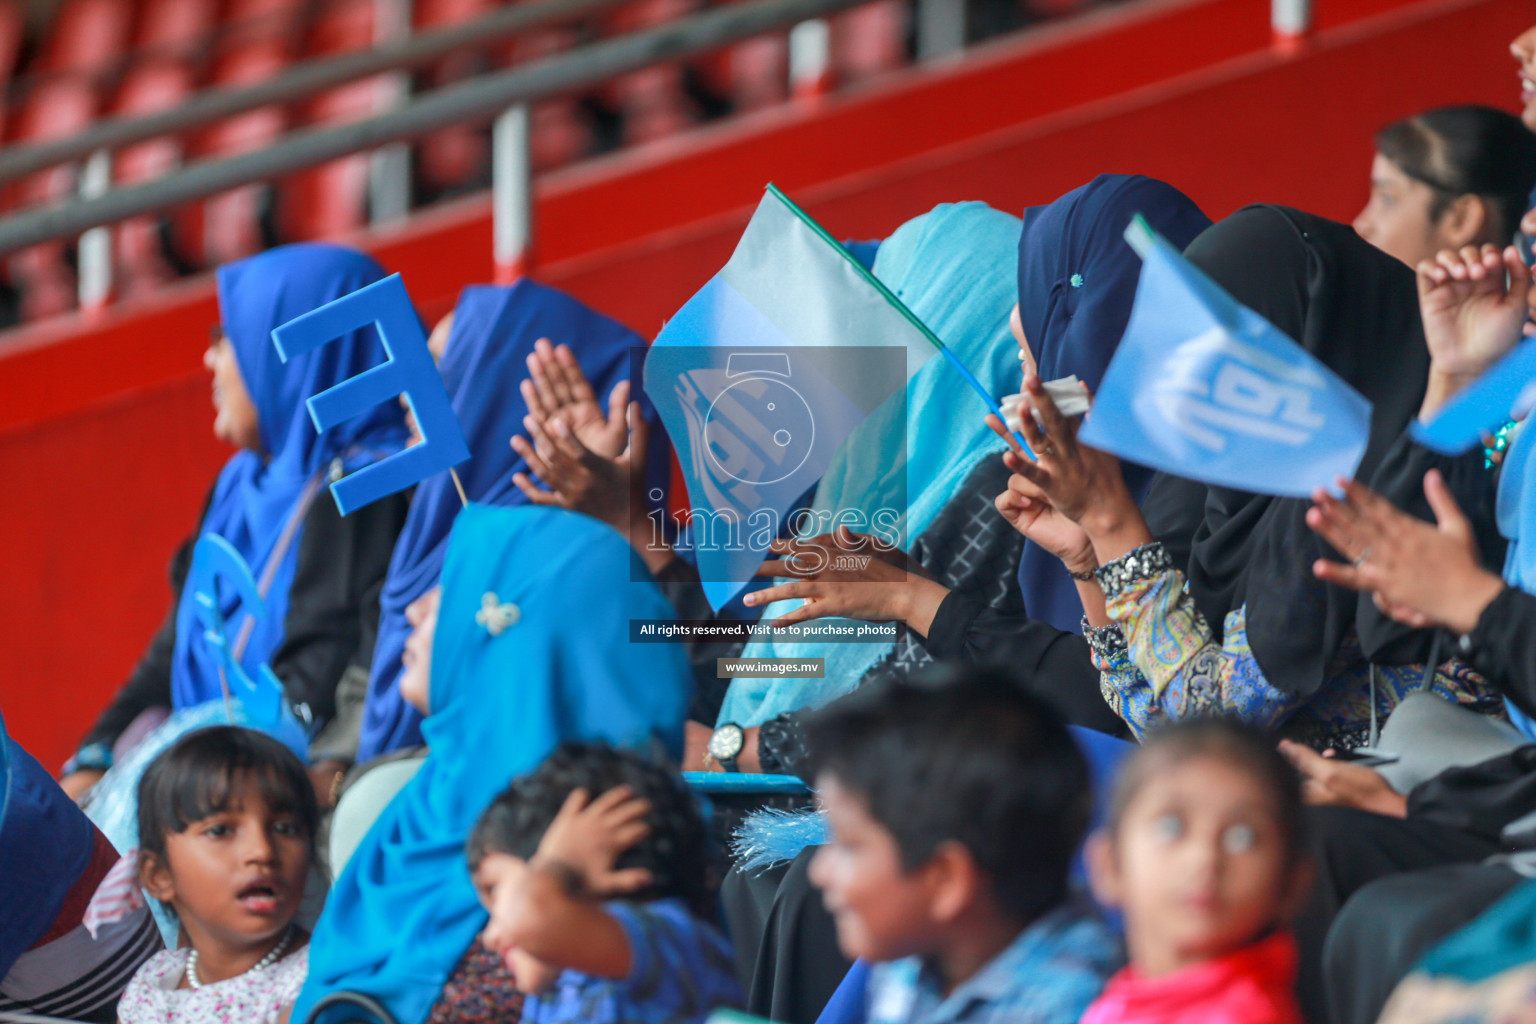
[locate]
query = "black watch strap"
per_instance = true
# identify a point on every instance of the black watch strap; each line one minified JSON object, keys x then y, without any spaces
{"x":781,"y":745}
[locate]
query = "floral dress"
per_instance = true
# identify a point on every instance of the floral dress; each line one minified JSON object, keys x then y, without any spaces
{"x":1159,"y":660}
{"x":154,"y":996}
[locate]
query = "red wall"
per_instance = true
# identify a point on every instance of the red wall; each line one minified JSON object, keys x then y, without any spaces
{"x":104,"y":423}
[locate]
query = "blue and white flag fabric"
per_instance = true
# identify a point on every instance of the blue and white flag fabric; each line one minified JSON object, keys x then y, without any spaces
{"x":1506,"y":392}
{"x":761,"y":376}
{"x":1205,"y":388}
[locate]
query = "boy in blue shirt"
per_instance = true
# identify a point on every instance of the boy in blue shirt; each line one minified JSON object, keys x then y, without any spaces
{"x":956,"y":802}
{"x":596,"y":871}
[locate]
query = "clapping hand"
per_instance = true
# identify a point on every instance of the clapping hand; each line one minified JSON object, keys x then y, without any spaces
{"x":580,"y":478}
{"x":1420,"y":574}
{"x":557,"y":389}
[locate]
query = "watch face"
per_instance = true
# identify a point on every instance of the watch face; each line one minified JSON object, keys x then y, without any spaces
{"x":727,"y":742}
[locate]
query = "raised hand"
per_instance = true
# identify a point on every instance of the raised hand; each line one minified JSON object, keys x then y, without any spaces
{"x":589,"y":835}
{"x":1027,"y":509}
{"x":578,"y":477}
{"x":1420,"y":574}
{"x":1082,"y":484}
{"x":556,"y":388}
{"x":1472,"y":316}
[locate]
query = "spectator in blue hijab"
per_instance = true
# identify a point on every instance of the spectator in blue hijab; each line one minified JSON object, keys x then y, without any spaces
{"x":319,"y":573}
{"x":528,"y":651}
{"x":495,"y":332}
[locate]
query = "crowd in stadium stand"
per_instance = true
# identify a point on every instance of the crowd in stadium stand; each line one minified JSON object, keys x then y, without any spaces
{"x":1146,"y":749}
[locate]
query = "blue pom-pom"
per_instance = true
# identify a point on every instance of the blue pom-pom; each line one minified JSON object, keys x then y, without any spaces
{"x":768,"y":837}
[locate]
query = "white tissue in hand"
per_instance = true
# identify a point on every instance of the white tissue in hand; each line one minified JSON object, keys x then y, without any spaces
{"x":1067,"y":393}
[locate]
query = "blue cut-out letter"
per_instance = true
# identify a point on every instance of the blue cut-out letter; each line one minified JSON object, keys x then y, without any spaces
{"x":215,"y":560}
{"x":410,"y":371}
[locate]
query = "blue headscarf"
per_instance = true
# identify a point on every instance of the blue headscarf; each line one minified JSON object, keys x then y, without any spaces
{"x":1077,"y":280}
{"x":257,"y":494}
{"x":404,"y":911}
{"x":953,"y":267}
{"x":1516,"y":510}
{"x":45,"y":846}
{"x":494,"y":329}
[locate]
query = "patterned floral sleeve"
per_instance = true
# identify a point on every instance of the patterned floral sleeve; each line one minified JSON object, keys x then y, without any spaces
{"x":1180,"y":670}
{"x":1125,"y":689}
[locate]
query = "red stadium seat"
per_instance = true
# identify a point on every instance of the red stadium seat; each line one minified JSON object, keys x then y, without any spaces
{"x":332,"y":199}
{"x":139,"y":257}
{"x":560,"y":131}
{"x":175,"y":28}
{"x":653,"y":101}
{"x":454,"y":158}
{"x":869,"y":40}
{"x":172,"y":35}
{"x":259,"y":40}
{"x":86,"y":36}
{"x":56,"y":107}
{"x":12,"y":25}
{"x":63,"y":99}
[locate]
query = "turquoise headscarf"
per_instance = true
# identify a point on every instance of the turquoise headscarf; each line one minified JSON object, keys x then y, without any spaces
{"x":956,"y":269}
{"x":531,"y":649}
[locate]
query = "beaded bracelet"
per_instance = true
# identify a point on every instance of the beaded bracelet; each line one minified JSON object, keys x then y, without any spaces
{"x":1105,"y":641}
{"x":1144,"y":563}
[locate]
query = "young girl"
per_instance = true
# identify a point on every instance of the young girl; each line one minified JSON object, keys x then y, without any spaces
{"x":227,"y":820}
{"x":1203,"y":852}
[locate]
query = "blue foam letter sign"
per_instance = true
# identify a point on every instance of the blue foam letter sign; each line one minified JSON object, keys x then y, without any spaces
{"x":410,"y":371}
{"x":214,"y":560}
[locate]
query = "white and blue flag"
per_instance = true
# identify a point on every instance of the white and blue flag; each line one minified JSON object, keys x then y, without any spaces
{"x":1506,"y":392}
{"x":763,"y":374}
{"x":1205,"y":388}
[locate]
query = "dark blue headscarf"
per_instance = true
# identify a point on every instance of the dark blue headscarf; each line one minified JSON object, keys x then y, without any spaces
{"x":1077,"y":280}
{"x":45,"y":846}
{"x":258,"y":493}
{"x":494,"y":329}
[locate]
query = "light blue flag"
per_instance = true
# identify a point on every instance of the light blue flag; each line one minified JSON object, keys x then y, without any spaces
{"x":763,"y":374}
{"x":1205,"y":388}
{"x":1506,"y":392}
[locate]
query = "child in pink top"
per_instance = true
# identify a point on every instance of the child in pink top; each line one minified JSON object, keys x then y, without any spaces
{"x":1203,"y":853}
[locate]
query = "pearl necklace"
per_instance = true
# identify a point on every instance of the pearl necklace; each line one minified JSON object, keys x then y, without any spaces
{"x":267,"y":961}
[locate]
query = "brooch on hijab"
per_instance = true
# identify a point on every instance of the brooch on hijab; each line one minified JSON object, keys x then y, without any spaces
{"x":495,"y":616}
{"x":1077,"y":280}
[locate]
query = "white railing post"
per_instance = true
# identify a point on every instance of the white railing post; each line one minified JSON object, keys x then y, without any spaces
{"x":512,"y":194}
{"x":1290,"y":20}
{"x":810,"y":58}
{"x":940,"y":28}
{"x":389,"y":168}
{"x":95,"y":248}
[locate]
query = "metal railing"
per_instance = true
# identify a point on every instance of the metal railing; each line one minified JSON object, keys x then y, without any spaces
{"x":502,"y":97}
{"x":299,"y":82}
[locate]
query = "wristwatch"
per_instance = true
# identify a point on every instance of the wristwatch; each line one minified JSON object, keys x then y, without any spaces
{"x":725,"y":745}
